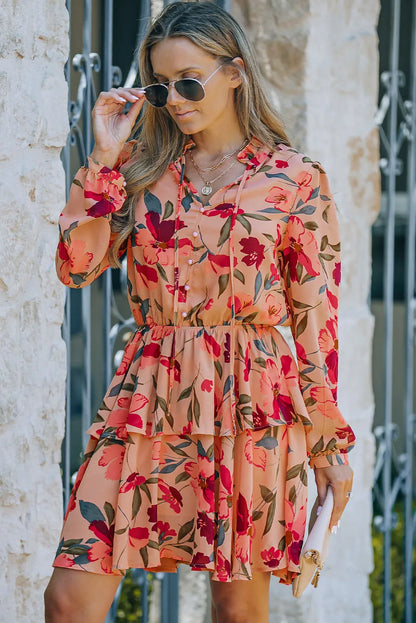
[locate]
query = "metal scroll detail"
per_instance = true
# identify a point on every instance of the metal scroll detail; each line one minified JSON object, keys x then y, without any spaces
{"x":394,"y":484}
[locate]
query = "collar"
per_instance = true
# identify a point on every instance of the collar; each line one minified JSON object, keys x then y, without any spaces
{"x":253,"y":154}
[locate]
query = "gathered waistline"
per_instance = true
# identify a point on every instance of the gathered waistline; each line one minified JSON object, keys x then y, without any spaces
{"x":205,"y":326}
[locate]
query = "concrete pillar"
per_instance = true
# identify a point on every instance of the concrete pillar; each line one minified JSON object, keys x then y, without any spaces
{"x":320,"y":61}
{"x":33,"y":128}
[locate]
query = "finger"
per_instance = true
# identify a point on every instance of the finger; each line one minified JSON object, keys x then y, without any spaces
{"x":340,"y":502}
{"x":321,"y":487}
{"x":135,"y":109}
{"x":129,"y":95}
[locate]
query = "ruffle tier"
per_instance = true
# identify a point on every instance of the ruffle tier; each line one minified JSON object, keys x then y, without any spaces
{"x":177,"y":380}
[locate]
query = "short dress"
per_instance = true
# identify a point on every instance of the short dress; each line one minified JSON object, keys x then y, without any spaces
{"x":199,"y":452}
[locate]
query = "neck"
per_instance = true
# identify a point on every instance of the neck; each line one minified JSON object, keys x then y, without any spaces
{"x":214,"y":142}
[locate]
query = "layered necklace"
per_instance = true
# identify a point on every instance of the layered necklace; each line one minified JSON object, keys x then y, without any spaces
{"x":207,"y":188}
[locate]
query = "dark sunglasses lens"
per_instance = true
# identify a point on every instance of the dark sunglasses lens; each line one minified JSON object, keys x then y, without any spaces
{"x":157,"y":95}
{"x":190,"y":89}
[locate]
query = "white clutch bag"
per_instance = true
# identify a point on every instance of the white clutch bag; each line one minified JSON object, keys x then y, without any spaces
{"x":315,"y":548}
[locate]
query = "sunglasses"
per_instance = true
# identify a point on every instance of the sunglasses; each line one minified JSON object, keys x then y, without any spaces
{"x":189,"y":88}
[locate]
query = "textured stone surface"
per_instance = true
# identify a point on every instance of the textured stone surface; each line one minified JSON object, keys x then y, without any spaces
{"x":33,"y":127}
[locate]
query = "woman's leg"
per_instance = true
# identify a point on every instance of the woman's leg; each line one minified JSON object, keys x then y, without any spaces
{"x":241,"y":601}
{"x":79,"y":596}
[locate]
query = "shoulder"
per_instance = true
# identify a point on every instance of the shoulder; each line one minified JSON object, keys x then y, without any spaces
{"x":293,"y":163}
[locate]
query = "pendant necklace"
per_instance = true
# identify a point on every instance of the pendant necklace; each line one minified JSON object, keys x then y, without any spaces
{"x":207,"y":188}
{"x":215,"y":166}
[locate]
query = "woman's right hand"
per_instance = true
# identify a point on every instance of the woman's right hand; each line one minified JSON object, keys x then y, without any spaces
{"x":111,"y":126}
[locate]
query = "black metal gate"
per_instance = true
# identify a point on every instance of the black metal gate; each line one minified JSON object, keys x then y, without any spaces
{"x":394,"y":251}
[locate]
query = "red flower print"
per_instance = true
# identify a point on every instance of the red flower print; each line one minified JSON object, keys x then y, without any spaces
{"x":255,"y":455}
{"x":259,"y":418}
{"x":281,"y":164}
{"x":164,"y":530}
{"x":281,"y":198}
{"x":242,"y":548}
{"x":200,"y":560}
{"x":253,"y":251}
{"x":275,"y":275}
{"x":64,"y":561}
{"x":102,"y":532}
{"x":112,"y":457}
{"x":302,"y":250}
{"x":209,"y":304}
{"x":225,"y":493}
{"x":147,"y":275}
{"x":133,"y":481}
{"x":304,"y":188}
{"x":273,"y":310}
{"x":152,"y":513}
{"x":205,"y":526}
{"x":157,"y":241}
{"x":128,"y":355}
{"x":345,"y":433}
{"x":75,"y":260}
{"x":117,"y":419}
{"x":220,"y":263}
{"x":247,"y":364}
{"x":138,"y":537}
{"x":172,"y":364}
{"x":325,"y":402}
{"x":336,"y":273}
{"x":272,"y":557}
{"x":206,"y":385}
{"x":223,"y":567}
{"x":275,"y":403}
{"x":242,"y":301}
{"x":211,"y":345}
{"x":328,"y":343}
{"x":182,"y":293}
{"x":107,"y":190}
{"x":223,"y":210}
{"x":172,"y":496}
{"x":242,"y":515}
{"x":202,"y":482}
{"x":102,"y":552}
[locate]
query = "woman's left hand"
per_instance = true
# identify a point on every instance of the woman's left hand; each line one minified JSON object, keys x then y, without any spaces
{"x":340,"y":478}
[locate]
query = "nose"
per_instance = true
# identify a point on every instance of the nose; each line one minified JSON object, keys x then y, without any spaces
{"x":173,"y":96}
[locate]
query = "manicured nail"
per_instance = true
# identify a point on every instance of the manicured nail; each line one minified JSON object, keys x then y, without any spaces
{"x":135,"y":98}
{"x":338,"y":524}
{"x":318,"y":511}
{"x":334,"y":529}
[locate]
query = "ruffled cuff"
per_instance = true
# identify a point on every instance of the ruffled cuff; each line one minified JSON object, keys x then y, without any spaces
{"x":327,"y":460}
{"x":104,"y":189}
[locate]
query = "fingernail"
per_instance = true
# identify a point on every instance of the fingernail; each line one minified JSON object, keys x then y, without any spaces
{"x":135,"y":98}
{"x":334,"y":529}
{"x":318,"y":511}
{"x":338,"y":524}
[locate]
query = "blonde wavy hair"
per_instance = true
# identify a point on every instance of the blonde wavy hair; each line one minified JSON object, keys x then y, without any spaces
{"x":217,"y":33}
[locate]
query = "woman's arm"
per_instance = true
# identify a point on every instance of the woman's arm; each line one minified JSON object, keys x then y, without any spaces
{"x":84,"y":225}
{"x":311,"y":268}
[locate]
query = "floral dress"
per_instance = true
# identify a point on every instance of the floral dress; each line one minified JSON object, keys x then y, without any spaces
{"x":199,"y":452}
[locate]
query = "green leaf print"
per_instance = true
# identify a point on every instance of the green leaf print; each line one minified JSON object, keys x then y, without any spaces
{"x":144,"y":555}
{"x":244,"y":222}
{"x":197,"y":410}
{"x":90,"y":511}
{"x":257,"y":285}
{"x":239,"y":275}
{"x":225,"y":232}
{"x":301,"y":325}
{"x":266,"y":494}
{"x":270,"y":516}
{"x":152,"y":202}
{"x":185,"y":393}
{"x":109,"y":511}
{"x":292,"y":494}
{"x":318,"y":447}
{"x":185,"y":529}
{"x":137,"y":502}
{"x":168,"y":210}
{"x":311,"y":225}
{"x":223,"y":283}
{"x":294,"y":471}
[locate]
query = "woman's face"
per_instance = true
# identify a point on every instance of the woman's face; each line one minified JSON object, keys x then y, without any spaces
{"x":175,"y":58}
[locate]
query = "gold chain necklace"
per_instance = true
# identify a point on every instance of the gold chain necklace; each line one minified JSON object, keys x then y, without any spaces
{"x":207,"y":188}
{"x":215,"y":166}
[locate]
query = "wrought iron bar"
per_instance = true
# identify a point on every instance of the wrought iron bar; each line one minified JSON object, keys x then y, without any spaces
{"x":410,"y":337}
{"x":388,"y":306}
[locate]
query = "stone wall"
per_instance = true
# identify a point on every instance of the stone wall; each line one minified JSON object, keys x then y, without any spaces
{"x":320,"y":57}
{"x":33,"y":128}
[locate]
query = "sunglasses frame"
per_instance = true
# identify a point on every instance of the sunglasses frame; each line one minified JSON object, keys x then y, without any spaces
{"x":173,"y":83}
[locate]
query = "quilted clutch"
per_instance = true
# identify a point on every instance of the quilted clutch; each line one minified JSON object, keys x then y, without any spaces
{"x":315,"y":548}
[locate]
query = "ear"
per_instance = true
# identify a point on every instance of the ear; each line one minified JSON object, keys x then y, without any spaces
{"x":234,"y":74}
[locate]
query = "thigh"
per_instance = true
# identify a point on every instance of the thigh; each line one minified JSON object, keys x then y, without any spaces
{"x":79,"y":595}
{"x":242,"y":597}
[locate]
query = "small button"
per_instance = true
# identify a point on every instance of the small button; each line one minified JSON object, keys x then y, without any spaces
{"x":194,"y":233}
{"x":202,"y":209}
{"x":190,"y":261}
{"x":124,"y":183}
{"x":184,"y":314}
{"x":187,"y":287}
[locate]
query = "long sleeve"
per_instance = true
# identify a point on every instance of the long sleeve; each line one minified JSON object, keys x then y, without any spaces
{"x":84,"y":225}
{"x":310,"y":263}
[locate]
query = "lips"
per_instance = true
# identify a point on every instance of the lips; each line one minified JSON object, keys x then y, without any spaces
{"x":184,"y":115}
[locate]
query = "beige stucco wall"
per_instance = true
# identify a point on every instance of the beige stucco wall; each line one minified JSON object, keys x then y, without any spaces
{"x":33,"y":128}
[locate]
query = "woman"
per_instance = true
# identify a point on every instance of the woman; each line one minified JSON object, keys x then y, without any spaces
{"x":199,"y":451}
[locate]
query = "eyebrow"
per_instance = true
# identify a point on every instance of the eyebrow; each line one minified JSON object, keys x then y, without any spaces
{"x":182,"y":71}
